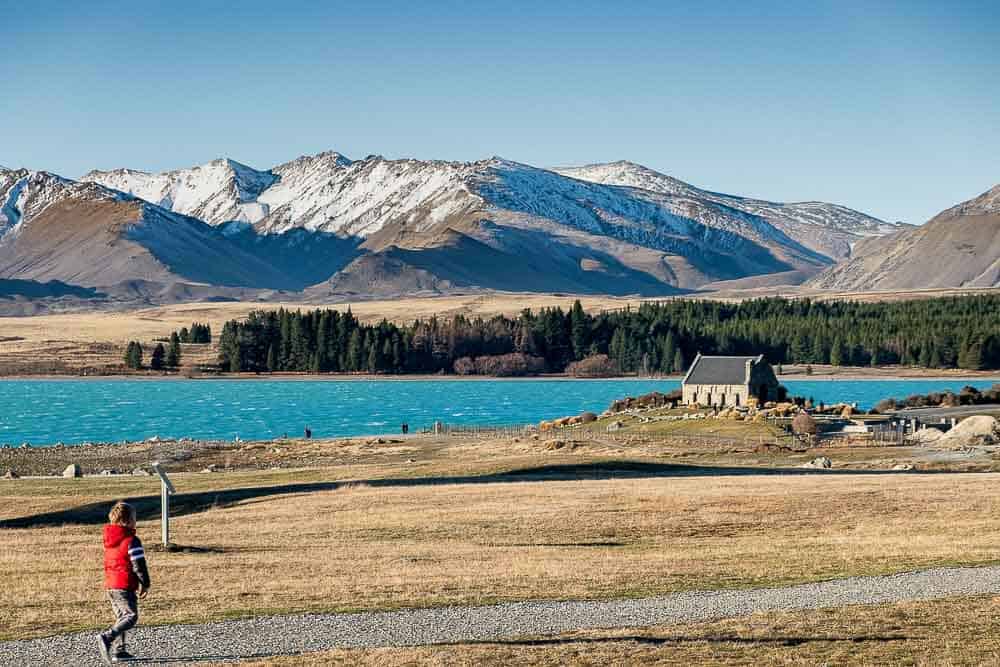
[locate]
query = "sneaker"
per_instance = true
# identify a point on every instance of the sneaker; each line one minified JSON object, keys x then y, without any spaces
{"x":122,"y":656}
{"x":104,"y":646}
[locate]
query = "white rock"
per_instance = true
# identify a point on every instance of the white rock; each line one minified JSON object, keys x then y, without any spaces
{"x":819,"y":462}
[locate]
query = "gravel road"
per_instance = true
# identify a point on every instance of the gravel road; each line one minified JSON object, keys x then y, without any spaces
{"x":289,"y":635}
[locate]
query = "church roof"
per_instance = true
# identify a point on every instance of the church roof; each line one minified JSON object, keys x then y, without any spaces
{"x":720,"y":370}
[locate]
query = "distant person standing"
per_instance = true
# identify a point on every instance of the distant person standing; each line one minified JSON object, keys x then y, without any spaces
{"x":405,"y":428}
{"x":309,"y":433}
{"x":126,"y":579}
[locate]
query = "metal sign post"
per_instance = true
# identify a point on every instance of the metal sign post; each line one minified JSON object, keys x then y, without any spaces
{"x":166,"y":490}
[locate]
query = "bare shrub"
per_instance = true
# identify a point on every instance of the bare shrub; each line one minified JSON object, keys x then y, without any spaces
{"x":509,"y":365}
{"x":594,"y":366}
{"x":804,"y":427}
{"x":464,"y":366}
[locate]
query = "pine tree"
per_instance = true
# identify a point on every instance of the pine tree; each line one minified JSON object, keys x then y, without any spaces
{"x":679,"y":365}
{"x":971,"y":354}
{"x":800,"y":348}
{"x":174,"y":352}
{"x":837,"y":352}
{"x":354,"y":351}
{"x":618,"y":350}
{"x":935,"y":359}
{"x":819,"y":353}
{"x":668,"y":350}
{"x":578,"y":330}
{"x":133,"y":355}
{"x":157,"y":358}
{"x":230,"y":355}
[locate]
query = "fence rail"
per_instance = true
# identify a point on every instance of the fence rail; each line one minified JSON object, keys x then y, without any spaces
{"x":479,"y":431}
{"x":756,"y":441}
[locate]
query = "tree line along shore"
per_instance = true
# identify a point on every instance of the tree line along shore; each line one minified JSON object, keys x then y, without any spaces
{"x":945,"y":333}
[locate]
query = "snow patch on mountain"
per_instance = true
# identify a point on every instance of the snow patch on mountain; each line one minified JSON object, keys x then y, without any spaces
{"x":332,"y":194}
{"x":217,"y":192}
{"x":829,"y":229}
{"x":25,"y":194}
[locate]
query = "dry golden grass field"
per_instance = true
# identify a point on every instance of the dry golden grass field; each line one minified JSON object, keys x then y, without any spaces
{"x":477,"y":523}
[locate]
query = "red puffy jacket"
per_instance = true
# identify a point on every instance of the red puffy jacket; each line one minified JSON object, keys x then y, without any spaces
{"x":124,"y":559}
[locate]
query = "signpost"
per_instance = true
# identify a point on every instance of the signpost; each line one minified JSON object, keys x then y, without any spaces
{"x":166,"y":490}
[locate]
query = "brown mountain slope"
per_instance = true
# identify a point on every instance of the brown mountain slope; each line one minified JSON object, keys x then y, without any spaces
{"x":516,"y":260}
{"x":960,"y":247}
{"x":95,"y":238}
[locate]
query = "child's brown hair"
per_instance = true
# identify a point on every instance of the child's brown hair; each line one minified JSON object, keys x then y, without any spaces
{"x":122,"y":514}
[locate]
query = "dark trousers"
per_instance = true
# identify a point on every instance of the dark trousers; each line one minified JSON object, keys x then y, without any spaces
{"x":125,"y":604}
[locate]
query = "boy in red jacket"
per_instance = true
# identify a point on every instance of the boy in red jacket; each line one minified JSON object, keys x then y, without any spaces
{"x":126,"y":579}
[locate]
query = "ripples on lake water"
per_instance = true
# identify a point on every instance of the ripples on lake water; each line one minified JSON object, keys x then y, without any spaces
{"x":74,"y":411}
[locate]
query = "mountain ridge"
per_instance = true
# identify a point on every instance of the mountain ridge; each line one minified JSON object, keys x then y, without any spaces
{"x":326,"y":222}
{"x":830,"y":229}
{"x":959,"y":247}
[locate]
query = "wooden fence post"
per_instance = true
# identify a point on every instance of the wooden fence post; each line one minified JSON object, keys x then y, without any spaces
{"x":166,"y":490}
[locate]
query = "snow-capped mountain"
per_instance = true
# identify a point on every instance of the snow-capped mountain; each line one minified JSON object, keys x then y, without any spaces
{"x":829,"y":229}
{"x":217,"y":192}
{"x":380,"y":226}
{"x":329,"y":192}
{"x":686,"y":239}
{"x":90,"y":235}
{"x":959,"y":247}
{"x":25,"y":193}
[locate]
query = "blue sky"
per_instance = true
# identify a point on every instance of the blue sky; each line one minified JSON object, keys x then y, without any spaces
{"x":893,"y":108}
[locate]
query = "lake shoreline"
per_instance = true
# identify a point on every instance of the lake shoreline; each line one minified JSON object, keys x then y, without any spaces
{"x":792,"y":373}
{"x":109,"y":410}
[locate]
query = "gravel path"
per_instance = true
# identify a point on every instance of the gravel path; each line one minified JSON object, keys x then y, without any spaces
{"x":288,"y":635}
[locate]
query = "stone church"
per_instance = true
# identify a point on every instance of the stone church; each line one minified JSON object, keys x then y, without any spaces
{"x":729,"y":381}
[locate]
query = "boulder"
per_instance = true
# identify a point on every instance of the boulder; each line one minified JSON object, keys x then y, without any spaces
{"x":140,"y":472}
{"x":588,"y":417}
{"x":926,"y":436}
{"x":972,"y":431}
{"x":108,"y":473}
{"x":615,"y":426}
{"x":10,"y":474}
{"x":821,"y":462}
{"x":71,"y":471}
{"x":903,"y":466}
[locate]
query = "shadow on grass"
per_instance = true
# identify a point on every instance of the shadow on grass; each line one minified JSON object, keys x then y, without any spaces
{"x":569,"y":641}
{"x":667,"y":641}
{"x":148,"y":507}
{"x":188,"y":659}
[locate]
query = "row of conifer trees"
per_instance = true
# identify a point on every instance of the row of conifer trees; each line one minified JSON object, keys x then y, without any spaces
{"x":663,"y":337}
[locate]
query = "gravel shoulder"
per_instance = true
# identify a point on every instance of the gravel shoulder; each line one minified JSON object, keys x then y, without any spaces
{"x":289,"y":635}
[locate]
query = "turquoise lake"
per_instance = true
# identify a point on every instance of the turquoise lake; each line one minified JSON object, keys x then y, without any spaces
{"x":44,"y":412}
